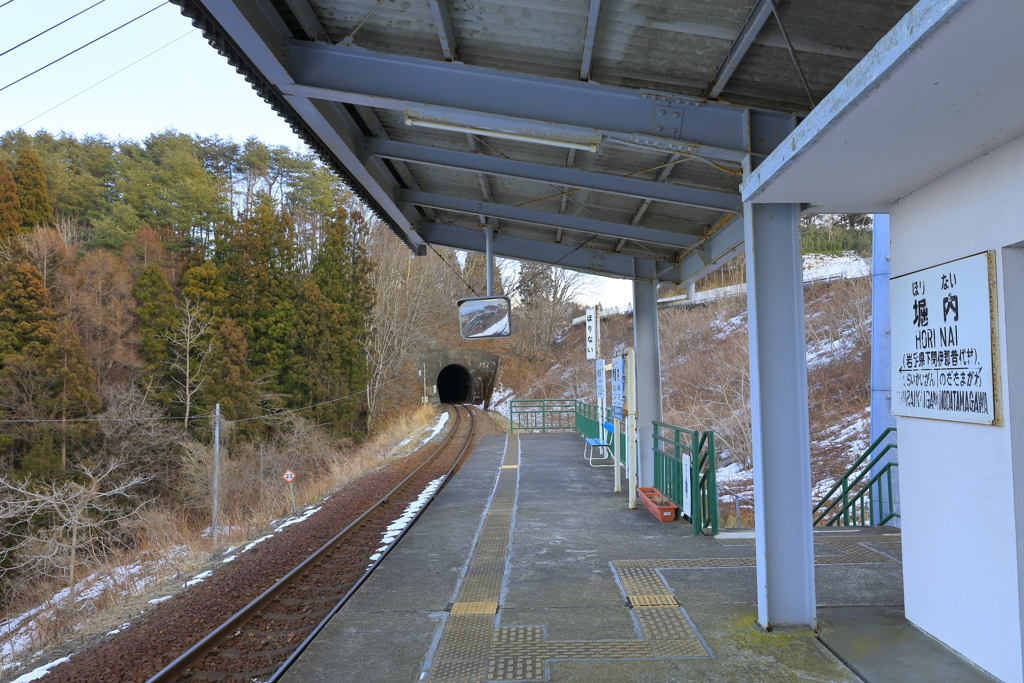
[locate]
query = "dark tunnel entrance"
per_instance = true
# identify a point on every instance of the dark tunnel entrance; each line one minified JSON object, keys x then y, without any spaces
{"x":454,"y":385}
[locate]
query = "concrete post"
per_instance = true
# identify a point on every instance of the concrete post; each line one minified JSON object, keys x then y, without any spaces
{"x":779,"y":420}
{"x":648,"y":373}
{"x":881,"y":349}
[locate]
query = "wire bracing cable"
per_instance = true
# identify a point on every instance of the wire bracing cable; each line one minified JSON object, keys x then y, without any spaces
{"x":12,"y":49}
{"x":45,"y":66}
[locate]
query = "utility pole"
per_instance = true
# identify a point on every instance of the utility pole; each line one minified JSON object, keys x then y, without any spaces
{"x":216,"y":472}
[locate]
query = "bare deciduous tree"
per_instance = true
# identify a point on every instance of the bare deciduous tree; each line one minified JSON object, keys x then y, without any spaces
{"x":55,"y":527}
{"x":189,"y":344}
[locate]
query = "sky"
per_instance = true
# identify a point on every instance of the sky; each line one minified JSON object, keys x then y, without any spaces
{"x":155,"y":73}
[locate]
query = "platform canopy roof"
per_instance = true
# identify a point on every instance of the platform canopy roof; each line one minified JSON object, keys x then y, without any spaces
{"x":942,"y":89}
{"x":606,"y":136}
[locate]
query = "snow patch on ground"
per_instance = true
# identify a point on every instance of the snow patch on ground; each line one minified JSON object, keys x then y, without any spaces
{"x":411,"y":510}
{"x":834,"y":266}
{"x":18,"y":632}
{"x":157,"y":601}
{"x":40,"y":672}
{"x":198,"y":578}
{"x":442,"y":419}
{"x":295,"y":520}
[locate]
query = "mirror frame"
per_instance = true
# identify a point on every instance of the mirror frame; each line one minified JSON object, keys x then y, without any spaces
{"x":508,"y":303}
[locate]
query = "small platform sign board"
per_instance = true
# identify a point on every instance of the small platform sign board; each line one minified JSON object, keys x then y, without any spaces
{"x":944,"y":354}
{"x":288,"y":476}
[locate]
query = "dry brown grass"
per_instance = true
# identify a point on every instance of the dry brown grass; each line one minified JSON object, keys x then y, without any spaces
{"x":171,"y":541}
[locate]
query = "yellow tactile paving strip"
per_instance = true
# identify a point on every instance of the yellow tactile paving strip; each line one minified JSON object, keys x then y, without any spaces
{"x":472,"y":650}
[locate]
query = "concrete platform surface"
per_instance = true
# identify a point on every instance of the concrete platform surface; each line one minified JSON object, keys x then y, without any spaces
{"x":528,"y":567}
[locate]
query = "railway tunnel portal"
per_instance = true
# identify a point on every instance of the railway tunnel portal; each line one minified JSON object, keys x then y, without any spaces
{"x":461,"y":376}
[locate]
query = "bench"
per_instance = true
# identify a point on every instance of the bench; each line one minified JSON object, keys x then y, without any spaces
{"x":594,"y":442}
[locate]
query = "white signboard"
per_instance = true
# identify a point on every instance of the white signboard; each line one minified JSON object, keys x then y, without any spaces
{"x":687,"y":485}
{"x":593,"y":333}
{"x":618,"y":386}
{"x":942,"y":341}
{"x":599,"y":377}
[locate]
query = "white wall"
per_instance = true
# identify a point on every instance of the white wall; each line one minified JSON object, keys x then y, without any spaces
{"x":960,"y":534}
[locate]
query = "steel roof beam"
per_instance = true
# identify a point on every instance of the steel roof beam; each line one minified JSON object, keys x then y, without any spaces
{"x":588,"y":40}
{"x":307,"y":18}
{"x":601,"y":182}
{"x":553,"y":220}
{"x":748,"y":34}
{"x":506,"y":246}
{"x":445,"y":32}
{"x":649,"y":118}
{"x":257,"y":30}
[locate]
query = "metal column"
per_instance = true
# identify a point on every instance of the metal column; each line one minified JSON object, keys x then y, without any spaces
{"x":881,"y":347}
{"x":489,"y":247}
{"x":779,"y":421}
{"x":648,"y":373}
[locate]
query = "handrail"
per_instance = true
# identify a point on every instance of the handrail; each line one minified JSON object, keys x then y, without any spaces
{"x":670,"y":478}
{"x":542,"y":414}
{"x":848,"y":485}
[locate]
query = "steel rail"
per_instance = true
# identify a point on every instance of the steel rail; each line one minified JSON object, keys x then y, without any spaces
{"x":179,"y":666}
{"x":319,"y":627}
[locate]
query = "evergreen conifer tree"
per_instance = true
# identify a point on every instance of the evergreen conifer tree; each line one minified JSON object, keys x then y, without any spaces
{"x":230,"y":382}
{"x":33,"y":195}
{"x":10,"y":207}
{"x":43,"y":371}
{"x":157,"y":312}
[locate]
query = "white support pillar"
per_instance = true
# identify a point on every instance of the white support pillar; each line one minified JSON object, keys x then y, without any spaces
{"x":778,"y":410}
{"x":648,"y":373}
{"x":881,"y":355}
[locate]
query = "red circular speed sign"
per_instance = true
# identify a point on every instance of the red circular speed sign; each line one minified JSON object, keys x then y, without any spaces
{"x":288,"y":476}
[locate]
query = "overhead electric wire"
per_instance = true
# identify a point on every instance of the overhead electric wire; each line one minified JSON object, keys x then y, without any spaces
{"x":6,"y":3}
{"x":82,"y":47}
{"x":196,"y":417}
{"x":49,"y":29}
{"x":105,"y":79}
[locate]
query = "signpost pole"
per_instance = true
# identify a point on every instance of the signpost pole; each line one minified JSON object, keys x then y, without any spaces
{"x":291,"y":490}
{"x":629,"y":409}
{"x":216,"y":474}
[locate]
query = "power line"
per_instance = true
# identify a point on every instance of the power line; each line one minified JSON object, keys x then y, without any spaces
{"x":6,"y":3}
{"x":105,"y":79}
{"x":445,"y":261}
{"x":317,"y":405}
{"x":82,"y":47}
{"x":49,"y":29}
{"x":196,"y":417}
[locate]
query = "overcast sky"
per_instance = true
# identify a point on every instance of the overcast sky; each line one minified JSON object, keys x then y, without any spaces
{"x":180,"y":82}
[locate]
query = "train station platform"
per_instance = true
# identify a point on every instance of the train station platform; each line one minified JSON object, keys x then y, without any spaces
{"x":527,"y":567}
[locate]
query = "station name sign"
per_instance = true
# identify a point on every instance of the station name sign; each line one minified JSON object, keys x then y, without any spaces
{"x":943,"y":342}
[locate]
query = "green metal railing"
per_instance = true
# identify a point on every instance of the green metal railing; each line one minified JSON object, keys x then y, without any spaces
{"x":542,"y":414}
{"x":674,"y":449}
{"x":854,"y":501}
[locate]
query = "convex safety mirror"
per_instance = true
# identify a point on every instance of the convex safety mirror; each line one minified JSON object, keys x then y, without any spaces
{"x":488,"y":317}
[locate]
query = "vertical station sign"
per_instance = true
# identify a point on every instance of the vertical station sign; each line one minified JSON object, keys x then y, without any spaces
{"x":593,"y":334}
{"x":619,"y":402}
{"x":944,"y":359}
{"x":599,"y":379}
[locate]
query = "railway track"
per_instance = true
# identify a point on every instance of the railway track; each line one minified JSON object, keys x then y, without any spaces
{"x":261,"y":640}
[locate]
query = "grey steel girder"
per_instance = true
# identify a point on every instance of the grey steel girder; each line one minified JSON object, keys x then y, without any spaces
{"x":588,"y":40}
{"x":602,"y":182}
{"x":445,"y":32}
{"x":554,"y":220}
{"x":523,"y":249}
{"x":641,"y":117}
{"x":747,"y":35}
